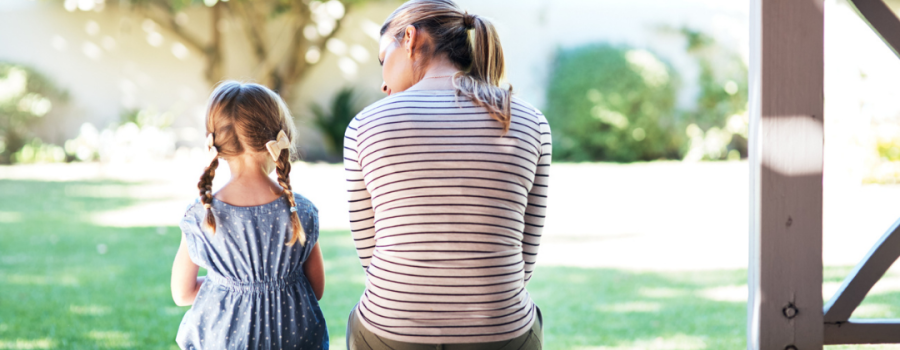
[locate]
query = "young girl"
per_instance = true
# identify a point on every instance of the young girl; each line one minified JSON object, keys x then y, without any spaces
{"x":255,"y":237}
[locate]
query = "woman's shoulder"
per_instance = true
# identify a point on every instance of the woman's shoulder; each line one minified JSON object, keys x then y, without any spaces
{"x":519,"y":104}
{"x":528,"y":111}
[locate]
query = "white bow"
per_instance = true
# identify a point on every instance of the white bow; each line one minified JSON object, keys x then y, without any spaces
{"x":280,"y":143}
{"x":212,"y":152}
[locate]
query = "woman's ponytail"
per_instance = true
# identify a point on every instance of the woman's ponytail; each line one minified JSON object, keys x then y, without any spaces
{"x":471,"y":42}
{"x":487,"y":54}
{"x":481,"y":82}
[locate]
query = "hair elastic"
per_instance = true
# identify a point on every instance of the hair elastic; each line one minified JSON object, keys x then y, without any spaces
{"x":468,"y":21}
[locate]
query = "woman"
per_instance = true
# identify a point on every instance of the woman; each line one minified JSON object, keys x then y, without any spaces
{"x":448,"y":187}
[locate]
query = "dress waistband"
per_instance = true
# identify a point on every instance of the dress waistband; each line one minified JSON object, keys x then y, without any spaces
{"x":255,"y":286}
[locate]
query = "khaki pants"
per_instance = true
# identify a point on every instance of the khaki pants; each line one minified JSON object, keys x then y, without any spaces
{"x":360,"y":338}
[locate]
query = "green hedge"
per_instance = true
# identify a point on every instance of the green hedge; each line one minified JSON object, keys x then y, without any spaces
{"x":612,"y":103}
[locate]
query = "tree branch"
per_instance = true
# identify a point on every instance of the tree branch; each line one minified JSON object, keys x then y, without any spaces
{"x":296,"y":48}
{"x":168,"y":22}
{"x":255,"y":28}
{"x":296,"y":58}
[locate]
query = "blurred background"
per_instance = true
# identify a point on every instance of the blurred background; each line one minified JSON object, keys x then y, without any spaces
{"x":101,"y":127}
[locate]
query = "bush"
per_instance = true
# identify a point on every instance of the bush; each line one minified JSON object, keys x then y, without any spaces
{"x":332,"y":123}
{"x":25,"y":97}
{"x":141,"y":135}
{"x":612,"y":103}
{"x":717,"y":124}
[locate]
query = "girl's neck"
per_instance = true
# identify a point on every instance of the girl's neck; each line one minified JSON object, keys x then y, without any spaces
{"x":250,"y":184}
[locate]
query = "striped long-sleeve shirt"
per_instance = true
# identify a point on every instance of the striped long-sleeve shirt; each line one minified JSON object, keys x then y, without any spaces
{"x":446,"y":212}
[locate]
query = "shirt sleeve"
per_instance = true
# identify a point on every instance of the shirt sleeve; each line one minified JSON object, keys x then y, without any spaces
{"x":536,"y":211}
{"x":310,"y":225}
{"x":193,"y":233}
{"x":362,"y":216}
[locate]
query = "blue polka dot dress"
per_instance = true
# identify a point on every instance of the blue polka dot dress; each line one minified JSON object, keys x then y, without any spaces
{"x":255,"y":295}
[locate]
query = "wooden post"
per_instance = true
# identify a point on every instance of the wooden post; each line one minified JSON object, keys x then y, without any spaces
{"x":786,"y":144}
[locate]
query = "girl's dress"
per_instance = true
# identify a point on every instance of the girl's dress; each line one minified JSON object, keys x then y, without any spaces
{"x":255,"y":295}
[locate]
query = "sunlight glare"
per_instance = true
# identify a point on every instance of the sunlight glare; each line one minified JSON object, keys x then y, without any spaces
{"x":45,"y":343}
{"x":9,"y":217}
{"x":92,"y":28}
{"x":630,"y":307}
{"x":736,"y":294}
{"x":677,"y":342}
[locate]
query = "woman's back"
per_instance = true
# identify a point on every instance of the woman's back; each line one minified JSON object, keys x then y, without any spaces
{"x":446,"y":212}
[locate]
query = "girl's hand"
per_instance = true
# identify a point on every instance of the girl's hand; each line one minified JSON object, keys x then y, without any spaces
{"x":314,"y":268}
{"x":185,"y":283}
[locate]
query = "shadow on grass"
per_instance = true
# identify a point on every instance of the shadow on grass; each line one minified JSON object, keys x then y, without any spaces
{"x":68,"y":283}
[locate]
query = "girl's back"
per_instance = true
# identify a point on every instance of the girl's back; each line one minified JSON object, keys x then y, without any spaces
{"x":255,"y":294}
{"x":255,"y":237}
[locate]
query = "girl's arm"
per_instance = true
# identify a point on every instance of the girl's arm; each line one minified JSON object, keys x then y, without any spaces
{"x":314,"y":268}
{"x":185,"y":283}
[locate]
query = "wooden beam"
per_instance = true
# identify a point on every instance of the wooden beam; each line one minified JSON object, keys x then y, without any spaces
{"x":786,"y":145}
{"x":882,"y":20}
{"x":864,"y":276}
{"x":863,"y":331}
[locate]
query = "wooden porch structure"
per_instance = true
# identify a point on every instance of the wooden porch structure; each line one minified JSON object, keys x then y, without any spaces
{"x":785,"y":307}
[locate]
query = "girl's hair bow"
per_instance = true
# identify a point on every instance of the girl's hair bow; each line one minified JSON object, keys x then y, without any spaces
{"x":281,"y":142}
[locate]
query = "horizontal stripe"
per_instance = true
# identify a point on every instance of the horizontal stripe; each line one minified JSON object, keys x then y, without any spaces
{"x":446,"y":216}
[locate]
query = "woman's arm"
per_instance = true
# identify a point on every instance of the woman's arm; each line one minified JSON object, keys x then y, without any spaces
{"x":314,"y":268}
{"x":185,"y":283}
{"x":536,"y":211}
{"x":362,"y":215}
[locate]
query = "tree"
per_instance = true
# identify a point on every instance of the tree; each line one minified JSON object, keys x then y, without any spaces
{"x":287,"y":37}
{"x":26,"y":96}
{"x":717,"y":124}
{"x":333,"y":123}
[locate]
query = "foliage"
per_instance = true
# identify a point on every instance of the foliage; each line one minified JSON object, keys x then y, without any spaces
{"x":38,"y":152}
{"x":147,"y":117}
{"x":285,"y":37}
{"x":889,"y":149}
{"x":612,"y":103}
{"x":717,"y":125}
{"x":26,"y":96}
{"x":333,"y":123}
{"x":141,"y":135}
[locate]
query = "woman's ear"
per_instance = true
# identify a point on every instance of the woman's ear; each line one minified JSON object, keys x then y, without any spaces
{"x":412,"y":40}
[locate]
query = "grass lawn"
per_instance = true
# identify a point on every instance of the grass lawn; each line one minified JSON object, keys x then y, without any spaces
{"x":67,"y":283}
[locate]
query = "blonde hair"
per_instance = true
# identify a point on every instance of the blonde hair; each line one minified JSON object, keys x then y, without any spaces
{"x":244,"y":117}
{"x":469,"y":41}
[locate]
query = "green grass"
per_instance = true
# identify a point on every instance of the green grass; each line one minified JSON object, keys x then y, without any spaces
{"x":58,"y":291}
